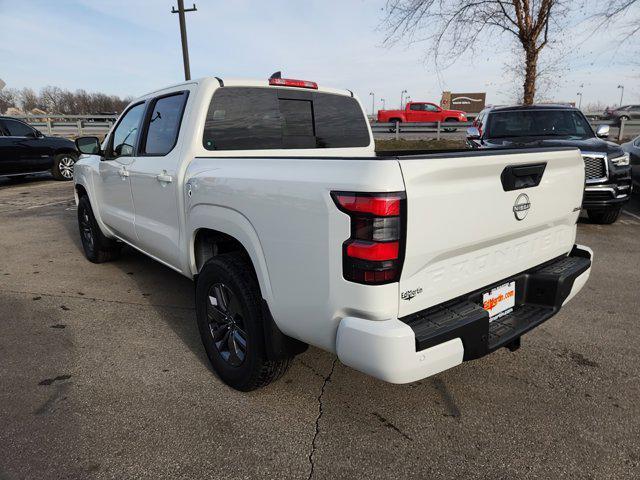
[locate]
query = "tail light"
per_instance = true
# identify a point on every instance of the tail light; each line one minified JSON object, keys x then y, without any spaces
{"x":374,"y":252}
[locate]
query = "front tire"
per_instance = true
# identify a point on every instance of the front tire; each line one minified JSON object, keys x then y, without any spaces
{"x":230,"y":320}
{"x":450,"y":129}
{"x":63,"y":164}
{"x":604,"y":217}
{"x":97,"y":248}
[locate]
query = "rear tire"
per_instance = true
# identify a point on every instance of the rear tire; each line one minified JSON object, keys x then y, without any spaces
{"x":230,"y":320}
{"x":63,"y":166}
{"x":97,"y":248}
{"x":395,"y":122}
{"x":604,"y":217}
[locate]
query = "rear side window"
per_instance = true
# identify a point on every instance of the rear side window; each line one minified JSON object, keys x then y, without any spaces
{"x":17,"y":129}
{"x":164,"y":124}
{"x":245,"y":118}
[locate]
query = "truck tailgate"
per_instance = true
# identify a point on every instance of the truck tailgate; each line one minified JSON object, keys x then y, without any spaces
{"x":471,"y":224}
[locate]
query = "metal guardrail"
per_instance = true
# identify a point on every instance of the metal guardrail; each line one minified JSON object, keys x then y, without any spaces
{"x":439,"y":128}
{"x":78,"y":125}
{"x":406,"y":127}
{"x":70,"y":125}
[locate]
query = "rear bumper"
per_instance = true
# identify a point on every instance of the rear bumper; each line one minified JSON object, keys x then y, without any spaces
{"x":428,"y":342}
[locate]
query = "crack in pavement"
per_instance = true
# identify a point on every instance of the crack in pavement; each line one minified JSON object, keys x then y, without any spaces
{"x":327,"y":379}
{"x":390,"y":425}
{"x":84,"y":297}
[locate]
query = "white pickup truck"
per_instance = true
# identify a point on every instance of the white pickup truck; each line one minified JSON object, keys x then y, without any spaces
{"x":270,"y":196}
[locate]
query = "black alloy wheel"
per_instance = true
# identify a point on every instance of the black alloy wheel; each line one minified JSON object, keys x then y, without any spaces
{"x":226,"y":324}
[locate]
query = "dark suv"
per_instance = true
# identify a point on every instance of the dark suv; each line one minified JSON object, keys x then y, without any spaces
{"x":608,"y":174}
{"x":25,"y":150}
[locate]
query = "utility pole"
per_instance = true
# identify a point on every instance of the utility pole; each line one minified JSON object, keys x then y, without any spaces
{"x":183,"y":34}
{"x":382,"y":101}
{"x":373,"y":104}
{"x":580,"y":101}
{"x":621,"y":87}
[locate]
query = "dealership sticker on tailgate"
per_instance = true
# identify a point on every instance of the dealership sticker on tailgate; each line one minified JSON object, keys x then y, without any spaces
{"x":500,"y":300}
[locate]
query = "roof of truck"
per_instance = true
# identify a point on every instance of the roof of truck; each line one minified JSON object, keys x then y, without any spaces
{"x":531,"y":107}
{"x":240,"y":82}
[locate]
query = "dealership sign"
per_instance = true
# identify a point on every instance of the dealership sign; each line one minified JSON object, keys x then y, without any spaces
{"x":467,"y":102}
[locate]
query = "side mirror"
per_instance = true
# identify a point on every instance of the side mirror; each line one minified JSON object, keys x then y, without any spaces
{"x":602,"y":131}
{"x":473,"y":133}
{"x":88,"y":145}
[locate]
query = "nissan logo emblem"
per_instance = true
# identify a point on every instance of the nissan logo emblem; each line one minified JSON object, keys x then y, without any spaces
{"x":522,"y":206}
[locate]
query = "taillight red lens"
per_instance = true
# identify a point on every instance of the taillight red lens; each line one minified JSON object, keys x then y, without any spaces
{"x":373,"y":254}
{"x":382,"y":206}
{"x":290,"y":82}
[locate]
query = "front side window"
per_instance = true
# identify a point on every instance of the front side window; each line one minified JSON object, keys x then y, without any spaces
{"x":18,"y":129}
{"x":164,"y":124}
{"x":126,"y":133}
{"x":254,"y":118}
{"x":431,"y":108}
{"x":534,"y":123}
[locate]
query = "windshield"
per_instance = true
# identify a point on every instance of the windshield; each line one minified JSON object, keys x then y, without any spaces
{"x":538,"y":123}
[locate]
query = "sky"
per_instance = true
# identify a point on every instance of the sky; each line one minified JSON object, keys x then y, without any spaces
{"x":130,"y":47}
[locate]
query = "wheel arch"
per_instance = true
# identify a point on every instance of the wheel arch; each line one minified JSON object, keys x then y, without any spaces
{"x":67,"y":150}
{"x":215,"y":230}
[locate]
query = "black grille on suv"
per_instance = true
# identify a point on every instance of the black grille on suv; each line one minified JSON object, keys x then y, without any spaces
{"x":594,"y":167}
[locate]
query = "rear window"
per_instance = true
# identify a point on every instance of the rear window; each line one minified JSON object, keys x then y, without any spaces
{"x":532,"y":123}
{"x":246,"y":118}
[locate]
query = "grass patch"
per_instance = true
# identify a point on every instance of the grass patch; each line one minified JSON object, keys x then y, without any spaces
{"x":426,"y":144}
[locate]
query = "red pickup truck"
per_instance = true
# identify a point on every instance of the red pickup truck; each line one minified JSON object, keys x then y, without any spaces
{"x":421,"y":112}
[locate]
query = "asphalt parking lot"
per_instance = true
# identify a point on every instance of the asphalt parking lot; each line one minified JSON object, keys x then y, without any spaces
{"x":103,"y":376}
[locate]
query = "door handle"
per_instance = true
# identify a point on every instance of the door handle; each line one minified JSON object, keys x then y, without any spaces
{"x":123,"y":172}
{"x":164,"y":178}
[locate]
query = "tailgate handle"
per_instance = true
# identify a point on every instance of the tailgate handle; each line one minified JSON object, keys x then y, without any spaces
{"x":515,"y":177}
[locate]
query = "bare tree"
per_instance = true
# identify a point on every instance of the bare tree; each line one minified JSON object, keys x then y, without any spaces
{"x":60,"y":101}
{"x":625,"y":13}
{"x":28,"y":99}
{"x":454,"y":27}
{"x":8,"y":99}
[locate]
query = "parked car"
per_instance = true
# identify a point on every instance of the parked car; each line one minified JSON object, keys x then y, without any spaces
{"x":25,"y":150}
{"x":269,"y":195}
{"x":608,"y":174}
{"x":626,"y":112}
{"x":633,"y":149}
{"x":417,"y":112}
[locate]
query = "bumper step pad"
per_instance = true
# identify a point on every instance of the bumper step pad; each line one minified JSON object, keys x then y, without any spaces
{"x":540,"y":293}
